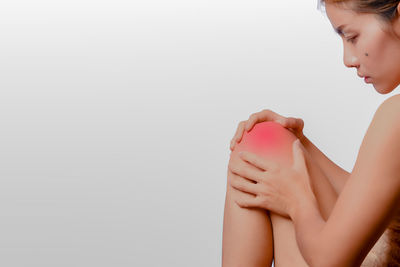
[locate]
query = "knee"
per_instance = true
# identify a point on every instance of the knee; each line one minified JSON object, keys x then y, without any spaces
{"x":269,"y":140}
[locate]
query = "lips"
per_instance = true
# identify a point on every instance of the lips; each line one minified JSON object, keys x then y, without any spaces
{"x":362,"y":76}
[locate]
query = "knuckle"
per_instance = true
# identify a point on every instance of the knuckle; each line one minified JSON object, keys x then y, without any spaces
{"x":231,"y":166}
{"x":292,"y":122}
{"x":252,"y":116}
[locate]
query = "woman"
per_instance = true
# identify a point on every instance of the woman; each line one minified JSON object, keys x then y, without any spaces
{"x":320,"y":214}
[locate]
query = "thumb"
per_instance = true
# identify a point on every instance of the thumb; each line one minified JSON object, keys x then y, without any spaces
{"x":298,"y":156}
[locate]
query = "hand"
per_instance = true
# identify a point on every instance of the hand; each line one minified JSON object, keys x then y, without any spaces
{"x":272,"y":186}
{"x":295,"y":125}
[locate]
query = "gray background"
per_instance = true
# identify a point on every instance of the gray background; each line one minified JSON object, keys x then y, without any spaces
{"x":116,"y":118}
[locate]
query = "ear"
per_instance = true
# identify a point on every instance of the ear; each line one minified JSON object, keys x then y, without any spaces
{"x":396,"y":23}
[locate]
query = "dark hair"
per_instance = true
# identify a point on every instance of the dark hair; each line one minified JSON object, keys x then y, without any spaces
{"x":385,"y":11}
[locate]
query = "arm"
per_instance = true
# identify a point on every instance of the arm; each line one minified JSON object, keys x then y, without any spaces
{"x":367,"y":203}
{"x":335,"y":174}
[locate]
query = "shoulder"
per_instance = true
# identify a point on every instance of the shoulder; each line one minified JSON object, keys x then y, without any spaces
{"x":391,"y":104}
{"x":387,"y":117}
{"x":380,"y":148}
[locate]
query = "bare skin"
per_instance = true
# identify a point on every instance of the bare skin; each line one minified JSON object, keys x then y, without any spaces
{"x":369,"y":46}
{"x":247,"y":236}
{"x":353,"y":208}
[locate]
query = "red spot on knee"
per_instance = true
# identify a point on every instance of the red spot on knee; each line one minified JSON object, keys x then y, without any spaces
{"x":268,"y":139}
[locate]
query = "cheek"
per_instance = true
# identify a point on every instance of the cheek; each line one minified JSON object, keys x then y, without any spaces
{"x":382,"y":63}
{"x":374,"y":47}
{"x":377,"y":46}
{"x":269,"y":140}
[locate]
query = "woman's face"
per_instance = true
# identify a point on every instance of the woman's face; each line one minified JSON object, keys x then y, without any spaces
{"x":367,"y":47}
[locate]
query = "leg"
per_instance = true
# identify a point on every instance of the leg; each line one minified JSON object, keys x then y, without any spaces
{"x":247,"y":237}
{"x":286,"y":251}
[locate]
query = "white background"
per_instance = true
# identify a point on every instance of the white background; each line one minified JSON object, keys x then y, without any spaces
{"x":116,"y":118}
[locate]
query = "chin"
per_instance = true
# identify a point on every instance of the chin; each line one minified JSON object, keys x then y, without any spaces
{"x":385,"y":90}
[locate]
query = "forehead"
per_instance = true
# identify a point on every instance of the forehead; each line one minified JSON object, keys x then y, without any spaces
{"x":341,"y":14}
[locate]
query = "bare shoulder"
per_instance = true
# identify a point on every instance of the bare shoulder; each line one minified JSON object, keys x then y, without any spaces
{"x":386,"y":120}
{"x":379,"y":154}
{"x":391,"y":104}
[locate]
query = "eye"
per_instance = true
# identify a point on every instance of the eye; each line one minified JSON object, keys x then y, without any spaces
{"x":352,"y":39}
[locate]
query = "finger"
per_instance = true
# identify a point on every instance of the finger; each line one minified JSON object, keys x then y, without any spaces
{"x":257,"y":161}
{"x":244,"y":185}
{"x":295,"y":123}
{"x":290,"y":122}
{"x":298,"y":156}
{"x":300,"y":123}
{"x":253,"y":119}
{"x":239,"y":133}
{"x":261,"y":116}
{"x":244,"y":170}
{"x":282,"y":121}
{"x":248,"y":201}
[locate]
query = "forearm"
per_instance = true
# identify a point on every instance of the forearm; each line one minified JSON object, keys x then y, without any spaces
{"x":336,"y":175}
{"x":308,"y":224}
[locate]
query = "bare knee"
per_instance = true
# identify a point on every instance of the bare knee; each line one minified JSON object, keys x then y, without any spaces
{"x":270,"y":140}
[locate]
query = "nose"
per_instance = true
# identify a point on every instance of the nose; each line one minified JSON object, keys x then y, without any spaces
{"x":350,"y":59}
